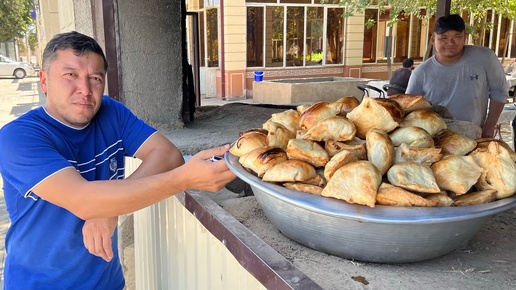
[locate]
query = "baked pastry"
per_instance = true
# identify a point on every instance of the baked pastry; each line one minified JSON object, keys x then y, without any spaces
{"x":484,"y":142}
{"x":380,"y":151}
{"x":261,"y":159}
{"x":332,"y":128}
{"x":456,"y":173}
{"x":393,"y":108}
{"x":258,"y":130}
{"x":499,"y":170}
{"x":247,"y":143}
{"x":290,"y":171}
{"x":307,"y":150}
{"x":371,"y":114}
{"x":441,"y":198}
{"x":355,"y":182}
{"x":303,"y":187}
{"x":337,"y":161}
{"x":477,"y":197}
{"x":410,"y":103}
{"x":413,"y":176}
{"x":389,"y":194}
{"x":453,"y":143}
{"x":288,"y":118}
{"x":425,"y":156}
{"x":278,"y":135}
{"x":317,"y":112}
{"x":412,"y":136}
{"x":357,"y":146}
{"x":348,"y":104}
{"x":426,"y":119}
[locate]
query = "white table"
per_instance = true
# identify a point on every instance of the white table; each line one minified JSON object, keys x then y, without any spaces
{"x":377,"y":84}
{"x":511,"y":81}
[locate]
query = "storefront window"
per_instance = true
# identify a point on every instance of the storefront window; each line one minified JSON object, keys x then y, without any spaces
{"x":314,"y":35}
{"x":274,"y":50}
{"x":295,"y":36}
{"x":370,"y":30}
{"x":334,"y":36}
{"x":212,"y":38}
{"x":255,"y":36}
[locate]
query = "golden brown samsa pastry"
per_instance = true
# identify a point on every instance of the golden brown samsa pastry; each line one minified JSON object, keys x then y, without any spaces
{"x":484,"y":142}
{"x":424,"y":156}
{"x":392,"y":195}
{"x":307,"y":150}
{"x":441,"y":198}
{"x":278,"y":135}
{"x":410,"y":103}
{"x":499,"y":170}
{"x":380,"y":151}
{"x":428,"y":120}
{"x":337,"y":161}
{"x":413,"y":176}
{"x":477,"y":197}
{"x":318,"y":180}
{"x":304,"y":187}
{"x":357,"y":146}
{"x":261,"y":159}
{"x":290,"y":171}
{"x":412,"y":136}
{"x":453,"y":143}
{"x":317,"y":112}
{"x":288,"y":118}
{"x":247,"y":143}
{"x":258,"y":130}
{"x":332,"y":128}
{"x":371,"y":114}
{"x":302,"y":108}
{"x":393,"y":107}
{"x":355,"y":182}
{"x":456,"y":173}
{"x":348,"y":104}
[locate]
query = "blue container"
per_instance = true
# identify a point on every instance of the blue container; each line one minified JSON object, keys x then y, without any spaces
{"x":258,"y":76}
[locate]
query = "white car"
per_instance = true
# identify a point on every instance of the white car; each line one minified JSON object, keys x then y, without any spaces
{"x":9,"y":67}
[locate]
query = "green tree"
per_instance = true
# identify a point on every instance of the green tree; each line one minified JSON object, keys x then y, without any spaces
{"x":14,"y":18}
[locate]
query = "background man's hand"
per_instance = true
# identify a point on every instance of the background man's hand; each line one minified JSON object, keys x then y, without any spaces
{"x":97,"y":234}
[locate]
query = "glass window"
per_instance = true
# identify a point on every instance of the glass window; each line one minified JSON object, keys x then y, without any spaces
{"x":295,"y":36}
{"x":335,"y":36}
{"x":371,"y":27}
{"x":402,"y":38}
{"x":255,"y":30}
{"x":212,"y":38}
{"x":314,"y":35}
{"x":504,"y":36}
{"x":274,"y":20}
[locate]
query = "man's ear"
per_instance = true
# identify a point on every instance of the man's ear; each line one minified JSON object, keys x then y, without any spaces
{"x":43,"y":80}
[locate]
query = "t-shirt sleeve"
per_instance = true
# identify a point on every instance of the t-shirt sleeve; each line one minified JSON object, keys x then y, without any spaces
{"x":496,"y":79}
{"x":27,"y":156}
{"x":133,"y":129}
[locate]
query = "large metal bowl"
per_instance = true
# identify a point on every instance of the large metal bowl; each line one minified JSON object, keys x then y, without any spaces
{"x":384,"y":234}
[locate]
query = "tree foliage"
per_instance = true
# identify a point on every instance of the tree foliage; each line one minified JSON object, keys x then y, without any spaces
{"x":14,"y":18}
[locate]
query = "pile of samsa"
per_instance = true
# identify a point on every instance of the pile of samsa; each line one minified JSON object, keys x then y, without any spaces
{"x":394,"y":151}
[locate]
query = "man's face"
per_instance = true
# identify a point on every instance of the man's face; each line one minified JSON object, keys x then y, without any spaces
{"x":449,"y":45}
{"x":74,"y":86}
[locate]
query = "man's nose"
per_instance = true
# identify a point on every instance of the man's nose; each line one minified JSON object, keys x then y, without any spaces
{"x":83,"y":86}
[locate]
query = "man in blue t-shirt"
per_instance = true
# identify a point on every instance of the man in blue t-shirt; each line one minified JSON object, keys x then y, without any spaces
{"x":63,"y":172}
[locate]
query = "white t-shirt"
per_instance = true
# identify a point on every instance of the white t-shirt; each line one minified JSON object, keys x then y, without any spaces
{"x":463,"y":87}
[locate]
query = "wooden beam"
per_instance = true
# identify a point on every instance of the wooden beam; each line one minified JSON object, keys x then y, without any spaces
{"x":443,"y":8}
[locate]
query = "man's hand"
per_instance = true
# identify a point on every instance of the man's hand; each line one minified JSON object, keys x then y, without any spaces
{"x":97,"y":234}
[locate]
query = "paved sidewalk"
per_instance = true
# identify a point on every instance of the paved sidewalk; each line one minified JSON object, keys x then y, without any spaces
{"x":16,"y":98}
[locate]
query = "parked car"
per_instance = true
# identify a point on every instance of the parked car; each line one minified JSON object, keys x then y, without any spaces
{"x":9,"y":67}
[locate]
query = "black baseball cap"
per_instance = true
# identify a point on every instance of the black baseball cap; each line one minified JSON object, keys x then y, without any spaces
{"x":449,"y":22}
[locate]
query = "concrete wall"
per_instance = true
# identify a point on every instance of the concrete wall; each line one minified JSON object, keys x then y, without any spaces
{"x":151,"y":59}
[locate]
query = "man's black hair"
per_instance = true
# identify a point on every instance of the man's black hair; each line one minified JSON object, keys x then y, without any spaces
{"x":408,"y":62}
{"x":79,"y":43}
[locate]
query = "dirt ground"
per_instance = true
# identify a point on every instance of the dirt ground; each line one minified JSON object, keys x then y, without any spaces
{"x":488,"y":261}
